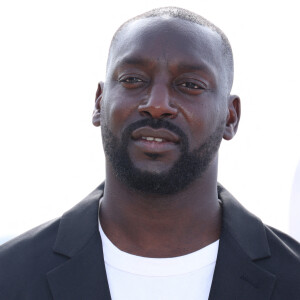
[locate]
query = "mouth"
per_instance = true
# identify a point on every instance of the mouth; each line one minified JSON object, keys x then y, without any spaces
{"x":151,"y":138}
{"x":152,"y":141}
{"x":160,"y":135}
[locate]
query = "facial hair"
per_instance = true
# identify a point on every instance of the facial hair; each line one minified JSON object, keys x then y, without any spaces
{"x":189,"y":166}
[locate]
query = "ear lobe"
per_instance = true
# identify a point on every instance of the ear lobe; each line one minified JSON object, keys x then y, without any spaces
{"x":233,"y":117}
{"x":97,"y":109}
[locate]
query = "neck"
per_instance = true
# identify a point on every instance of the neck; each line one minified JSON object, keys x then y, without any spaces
{"x":162,"y":226}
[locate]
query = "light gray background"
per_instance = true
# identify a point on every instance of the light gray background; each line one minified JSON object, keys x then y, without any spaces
{"x":53,"y":53}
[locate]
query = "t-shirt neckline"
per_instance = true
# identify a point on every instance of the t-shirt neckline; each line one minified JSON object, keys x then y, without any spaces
{"x":149,"y":266}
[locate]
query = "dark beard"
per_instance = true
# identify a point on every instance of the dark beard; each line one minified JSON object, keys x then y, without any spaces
{"x":189,"y":166}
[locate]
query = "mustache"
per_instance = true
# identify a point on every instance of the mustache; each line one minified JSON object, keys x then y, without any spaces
{"x":155,"y":124}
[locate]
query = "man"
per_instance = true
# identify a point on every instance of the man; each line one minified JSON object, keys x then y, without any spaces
{"x":167,"y":229}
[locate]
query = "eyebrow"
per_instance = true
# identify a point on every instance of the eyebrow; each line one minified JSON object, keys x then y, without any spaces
{"x":134,"y":61}
{"x":193,"y":67}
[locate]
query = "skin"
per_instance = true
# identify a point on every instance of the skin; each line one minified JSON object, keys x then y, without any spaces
{"x":165,"y":68}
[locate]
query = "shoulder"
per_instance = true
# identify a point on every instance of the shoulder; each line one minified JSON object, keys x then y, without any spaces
{"x":27,"y":240}
{"x":272,"y":251}
{"x":258,"y":240}
{"x":284,"y":260}
{"x":24,"y":258}
{"x":281,"y":243}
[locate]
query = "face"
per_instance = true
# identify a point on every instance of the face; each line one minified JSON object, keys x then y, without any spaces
{"x":164,"y":107}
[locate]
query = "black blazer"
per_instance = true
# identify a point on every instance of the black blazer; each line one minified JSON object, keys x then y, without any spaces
{"x":63,"y":259}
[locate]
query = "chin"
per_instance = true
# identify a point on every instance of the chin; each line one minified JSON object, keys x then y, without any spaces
{"x":154,"y":168}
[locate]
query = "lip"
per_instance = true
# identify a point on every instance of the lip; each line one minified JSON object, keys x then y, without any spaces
{"x":160,"y":133}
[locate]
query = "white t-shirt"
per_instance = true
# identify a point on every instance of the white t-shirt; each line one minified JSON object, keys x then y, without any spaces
{"x":132,"y":277}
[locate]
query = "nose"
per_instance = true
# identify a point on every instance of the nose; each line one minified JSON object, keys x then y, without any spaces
{"x":158,"y":104}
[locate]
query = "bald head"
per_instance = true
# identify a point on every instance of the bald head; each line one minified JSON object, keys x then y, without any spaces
{"x":186,"y":15}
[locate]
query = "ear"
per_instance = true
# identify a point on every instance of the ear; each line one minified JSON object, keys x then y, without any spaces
{"x":97,"y":109}
{"x":233,"y":117}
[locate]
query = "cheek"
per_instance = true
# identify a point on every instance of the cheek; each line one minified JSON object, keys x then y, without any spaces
{"x":116,"y":114}
{"x":201,"y":117}
{"x":204,"y":119}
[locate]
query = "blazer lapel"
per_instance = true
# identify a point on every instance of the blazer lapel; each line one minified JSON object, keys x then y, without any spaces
{"x":242,"y":242}
{"x":236,"y":277}
{"x":83,"y":276}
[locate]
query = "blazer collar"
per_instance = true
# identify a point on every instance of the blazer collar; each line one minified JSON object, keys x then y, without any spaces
{"x":245,"y":228}
{"x":243,"y":241}
{"x":83,"y":276}
{"x":78,"y":224}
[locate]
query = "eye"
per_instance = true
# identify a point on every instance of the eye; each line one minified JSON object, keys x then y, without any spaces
{"x":191,"y":85}
{"x":131,"y":82}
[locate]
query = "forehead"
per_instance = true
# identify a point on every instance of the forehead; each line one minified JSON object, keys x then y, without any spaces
{"x":170,"y":40}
